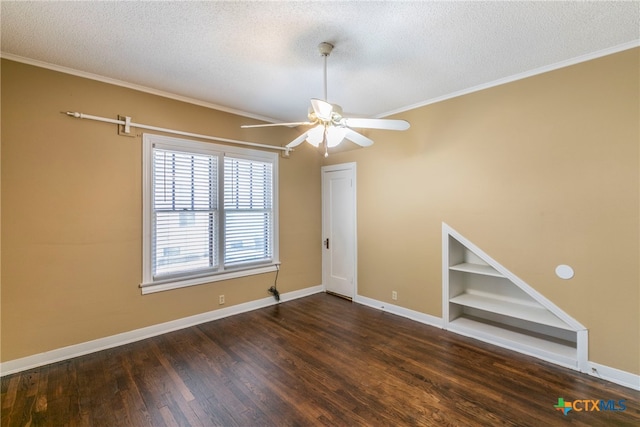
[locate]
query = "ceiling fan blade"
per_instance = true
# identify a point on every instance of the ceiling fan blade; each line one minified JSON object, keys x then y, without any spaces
{"x":299,"y":140}
{"x":322,"y":109}
{"x":276,"y":124}
{"x":377,"y":124}
{"x":358,"y":138}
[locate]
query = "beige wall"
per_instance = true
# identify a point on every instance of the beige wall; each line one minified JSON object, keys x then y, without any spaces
{"x":539,"y":172}
{"x":71,"y":213}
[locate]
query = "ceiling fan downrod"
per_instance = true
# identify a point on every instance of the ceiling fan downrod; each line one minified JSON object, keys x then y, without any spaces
{"x":325,"y":50}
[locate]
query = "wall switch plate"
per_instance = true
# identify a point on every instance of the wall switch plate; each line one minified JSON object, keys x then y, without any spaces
{"x":221,"y":299}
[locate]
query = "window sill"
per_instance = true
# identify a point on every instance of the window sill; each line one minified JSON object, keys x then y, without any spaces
{"x":153,"y":287}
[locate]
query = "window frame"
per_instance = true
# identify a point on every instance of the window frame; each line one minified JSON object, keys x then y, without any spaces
{"x":149,"y":283}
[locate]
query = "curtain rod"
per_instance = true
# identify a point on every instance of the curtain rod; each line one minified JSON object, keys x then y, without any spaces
{"x":127,"y":123}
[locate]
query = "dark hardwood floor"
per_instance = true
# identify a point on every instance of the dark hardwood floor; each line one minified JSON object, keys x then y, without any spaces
{"x":319,"y":360}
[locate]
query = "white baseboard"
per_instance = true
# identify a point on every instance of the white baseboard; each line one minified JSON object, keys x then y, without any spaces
{"x":64,"y":353}
{"x":614,"y":375}
{"x":606,"y":373}
{"x":427,"y":319}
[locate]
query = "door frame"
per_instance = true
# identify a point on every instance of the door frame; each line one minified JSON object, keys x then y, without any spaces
{"x":351,"y":167}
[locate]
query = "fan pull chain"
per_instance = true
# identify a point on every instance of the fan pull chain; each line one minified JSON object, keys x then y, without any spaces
{"x":324,"y":138}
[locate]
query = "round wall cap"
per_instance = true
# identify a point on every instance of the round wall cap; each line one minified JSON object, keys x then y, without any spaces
{"x":564,"y":272}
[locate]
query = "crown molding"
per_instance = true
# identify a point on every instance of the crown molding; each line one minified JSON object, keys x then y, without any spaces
{"x":133,"y":86}
{"x":519,"y":76}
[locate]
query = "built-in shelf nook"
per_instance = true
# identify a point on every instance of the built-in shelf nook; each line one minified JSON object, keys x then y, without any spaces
{"x":483,"y":300}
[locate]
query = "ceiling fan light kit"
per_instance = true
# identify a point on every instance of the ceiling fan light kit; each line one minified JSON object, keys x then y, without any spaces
{"x":330,"y":127}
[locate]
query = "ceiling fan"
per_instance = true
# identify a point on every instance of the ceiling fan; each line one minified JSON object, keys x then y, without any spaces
{"x":330,"y":127}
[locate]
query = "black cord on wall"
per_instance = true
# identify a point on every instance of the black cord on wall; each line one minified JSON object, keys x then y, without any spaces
{"x":274,"y":289}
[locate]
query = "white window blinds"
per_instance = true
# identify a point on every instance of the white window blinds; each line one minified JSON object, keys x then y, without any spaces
{"x":210,"y":212}
{"x":185,"y":210}
{"x":248,"y":211}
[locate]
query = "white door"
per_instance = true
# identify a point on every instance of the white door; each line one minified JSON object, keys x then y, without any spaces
{"x":339,"y":229}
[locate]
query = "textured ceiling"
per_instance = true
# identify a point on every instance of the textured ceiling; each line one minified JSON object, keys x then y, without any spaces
{"x":261,"y":58}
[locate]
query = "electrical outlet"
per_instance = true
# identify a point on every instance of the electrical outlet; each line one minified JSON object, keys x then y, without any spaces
{"x":221,"y":299}
{"x":394,"y":295}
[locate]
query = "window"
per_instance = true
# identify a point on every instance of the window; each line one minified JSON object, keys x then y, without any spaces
{"x":209,"y":212}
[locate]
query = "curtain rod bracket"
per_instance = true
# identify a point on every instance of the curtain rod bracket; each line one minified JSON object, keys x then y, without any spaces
{"x":125,"y":128}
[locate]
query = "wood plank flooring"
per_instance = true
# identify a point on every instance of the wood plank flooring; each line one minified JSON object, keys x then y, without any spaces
{"x":315,"y":361}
